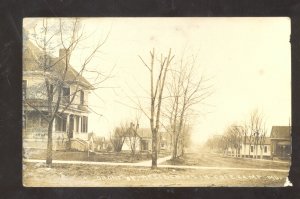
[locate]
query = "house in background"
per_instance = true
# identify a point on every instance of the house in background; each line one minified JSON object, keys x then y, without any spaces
{"x":281,"y":142}
{"x":278,"y":145}
{"x":72,"y":125}
{"x":165,"y":141}
{"x":249,"y":149}
{"x":97,"y":143}
{"x":143,"y":140}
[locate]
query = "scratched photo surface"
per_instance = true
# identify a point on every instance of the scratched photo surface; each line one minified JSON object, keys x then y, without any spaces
{"x":139,"y":102}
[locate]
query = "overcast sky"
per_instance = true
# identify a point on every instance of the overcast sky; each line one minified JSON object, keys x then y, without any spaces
{"x":248,"y":61}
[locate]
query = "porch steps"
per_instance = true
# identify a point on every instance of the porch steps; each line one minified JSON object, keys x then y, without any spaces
{"x":79,"y":144}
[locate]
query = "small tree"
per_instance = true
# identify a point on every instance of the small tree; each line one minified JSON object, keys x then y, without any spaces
{"x":186,"y":138}
{"x":233,"y":134}
{"x":245,"y":136}
{"x":258,"y":131}
{"x":117,"y":138}
{"x":133,"y":137}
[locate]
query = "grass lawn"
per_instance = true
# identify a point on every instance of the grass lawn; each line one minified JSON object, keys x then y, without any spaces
{"x":83,"y":156}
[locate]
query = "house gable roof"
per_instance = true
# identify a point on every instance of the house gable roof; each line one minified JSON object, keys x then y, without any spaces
{"x":145,"y":133}
{"x":32,"y":53}
{"x":281,"y":132}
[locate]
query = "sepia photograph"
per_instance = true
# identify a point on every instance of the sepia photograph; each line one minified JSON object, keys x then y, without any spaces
{"x":156,"y":102}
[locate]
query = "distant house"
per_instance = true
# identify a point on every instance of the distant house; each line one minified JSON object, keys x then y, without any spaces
{"x":97,"y":143}
{"x":141,"y":141}
{"x":165,"y":141}
{"x":281,"y":142}
{"x":72,"y":124}
{"x":278,"y":145}
{"x":249,"y":149}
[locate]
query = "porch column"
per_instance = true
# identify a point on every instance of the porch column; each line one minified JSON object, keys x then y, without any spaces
{"x":75,"y":130}
{"x":68,"y":123}
{"x":79,"y":126}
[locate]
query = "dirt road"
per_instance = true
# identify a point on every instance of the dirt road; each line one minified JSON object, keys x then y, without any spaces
{"x":216,"y":160}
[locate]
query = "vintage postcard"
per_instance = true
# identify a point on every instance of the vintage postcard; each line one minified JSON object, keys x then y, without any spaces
{"x":155,"y":102}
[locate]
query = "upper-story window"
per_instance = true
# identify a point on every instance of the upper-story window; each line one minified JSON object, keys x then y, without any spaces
{"x":66,"y":94}
{"x":81,"y":97}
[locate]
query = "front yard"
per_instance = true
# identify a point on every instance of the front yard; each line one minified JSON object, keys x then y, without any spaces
{"x":123,"y":157}
{"x":78,"y":175}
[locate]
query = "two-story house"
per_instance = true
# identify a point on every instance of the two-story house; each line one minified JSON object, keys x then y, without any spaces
{"x":70,"y":128}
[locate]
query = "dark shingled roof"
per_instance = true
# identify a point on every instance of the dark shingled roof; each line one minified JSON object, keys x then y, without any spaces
{"x":283,"y":132}
{"x":32,"y":52}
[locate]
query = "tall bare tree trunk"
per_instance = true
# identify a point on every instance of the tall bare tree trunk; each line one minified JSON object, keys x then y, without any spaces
{"x":154,"y":148}
{"x":245,"y":144}
{"x":175,"y":148}
{"x":49,"y":144}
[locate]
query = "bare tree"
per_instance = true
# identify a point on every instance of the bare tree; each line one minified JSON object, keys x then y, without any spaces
{"x":118,"y":137}
{"x":133,"y":137}
{"x":224,"y":144}
{"x":185,"y":91}
{"x":185,"y":137}
{"x":244,"y":131}
{"x":258,"y":131}
{"x":65,"y":35}
{"x":218,"y":143}
{"x":157,"y":85}
{"x":234,"y":138}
